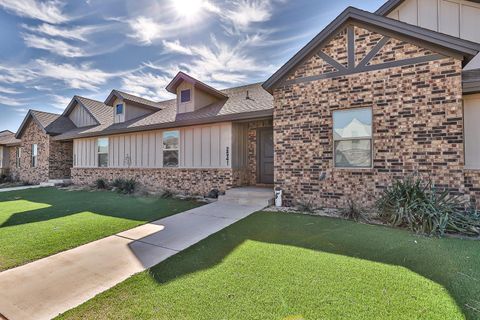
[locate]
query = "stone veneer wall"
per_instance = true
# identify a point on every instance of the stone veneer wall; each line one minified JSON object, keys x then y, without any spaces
{"x":33,"y":134}
{"x":61,"y":159}
{"x":189,"y":181}
{"x":54,"y":158}
{"x":417,"y":126}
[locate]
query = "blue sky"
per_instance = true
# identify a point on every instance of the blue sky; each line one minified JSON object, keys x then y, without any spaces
{"x":52,"y":50}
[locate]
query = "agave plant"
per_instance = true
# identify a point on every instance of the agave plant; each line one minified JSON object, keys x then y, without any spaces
{"x":419,"y":206}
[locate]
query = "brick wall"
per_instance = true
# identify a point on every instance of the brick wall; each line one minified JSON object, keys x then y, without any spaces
{"x":54,"y":159}
{"x":190,"y":181}
{"x":34,"y":135}
{"x":61,"y":159}
{"x":417,"y":123}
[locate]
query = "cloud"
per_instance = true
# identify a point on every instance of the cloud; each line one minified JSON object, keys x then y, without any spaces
{"x":218,"y":63}
{"x":176,"y":47}
{"x":8,"y":90}
{"x":9,"y":74}
{"x":74,"y":76}
{"x":55,"y":46}
{"x":49,"y":11}
{"x":7,"y":101}
{"x":146,"y":30}
{"x":60,"y":102}
{"x":246,"y":12}
{"x":147,"y":85}
{"x":73,"y":33}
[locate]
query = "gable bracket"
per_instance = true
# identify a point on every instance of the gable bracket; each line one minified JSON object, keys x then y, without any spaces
{"x":373,"y":52}
{"x":331,"y":61}
{"x":351,"y":47}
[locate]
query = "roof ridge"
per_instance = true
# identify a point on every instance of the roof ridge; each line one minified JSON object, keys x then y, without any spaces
{"x":45,"y":112}
{"x":82,"y":97}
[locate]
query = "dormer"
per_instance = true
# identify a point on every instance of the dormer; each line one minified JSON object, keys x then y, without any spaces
{"x":193,"y":94}
{"x":126,"y":107}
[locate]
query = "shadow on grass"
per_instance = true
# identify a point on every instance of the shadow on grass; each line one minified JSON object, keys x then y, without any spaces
{"x":452,"y":263}
{"x":54,"y":203}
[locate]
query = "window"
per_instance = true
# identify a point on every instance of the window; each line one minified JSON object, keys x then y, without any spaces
{"x":170,"y":148}
{"x":102,"y":151}
{"x":471,"y":109}
{"x":119,"y":109}
{"x":185,"y":96}
{"x":352,"y":135}
{"x":34,"y":155}
{"x":18,"y":154}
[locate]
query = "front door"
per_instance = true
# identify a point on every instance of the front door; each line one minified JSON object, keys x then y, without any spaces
{"x":265,"y":155}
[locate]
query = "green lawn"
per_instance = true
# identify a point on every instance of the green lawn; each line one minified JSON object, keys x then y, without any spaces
{"x":36,"y":223}
{"x":288,"y":266}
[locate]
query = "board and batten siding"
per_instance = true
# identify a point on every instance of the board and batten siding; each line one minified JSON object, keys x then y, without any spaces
{"x":81,"y":118}
{"x":457,"y":18}
{"x":206,"y":146}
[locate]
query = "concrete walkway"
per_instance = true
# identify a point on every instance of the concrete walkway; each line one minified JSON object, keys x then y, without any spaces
{"x":47,"y":287}
{"x":22,"y":188}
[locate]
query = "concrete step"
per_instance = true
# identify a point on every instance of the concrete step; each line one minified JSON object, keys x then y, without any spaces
{"x":249,"y":196}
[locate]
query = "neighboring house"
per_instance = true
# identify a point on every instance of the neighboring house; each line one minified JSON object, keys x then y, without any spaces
{"x":373,"y":97}
{"x":7,"y":143}
{"x":40,"y":158}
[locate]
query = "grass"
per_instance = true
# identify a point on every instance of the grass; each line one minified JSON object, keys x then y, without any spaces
{"x":289,"y":266}
{"x":36,"y":223}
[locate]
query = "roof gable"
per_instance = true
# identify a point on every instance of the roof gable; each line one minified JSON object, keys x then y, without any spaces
{"x":443,"y":44}
{"x":183,"y":77}
{"x":49,"y":123}
{"x":138,"y":101}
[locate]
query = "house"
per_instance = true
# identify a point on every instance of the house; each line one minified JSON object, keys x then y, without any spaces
{"x":7,"y":143}
{"x":373,"y":97}
{"x":204,"y":139}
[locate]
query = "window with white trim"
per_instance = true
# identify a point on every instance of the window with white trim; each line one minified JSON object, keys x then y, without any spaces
{"x":171,"y":144}
{"x":352,"y":136}
{"x":34,"y":155}
{"x":102,"y":152}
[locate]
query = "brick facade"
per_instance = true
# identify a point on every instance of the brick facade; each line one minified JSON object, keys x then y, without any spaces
{"x":417,"y":123}
{"x":54,"y":158}
{"x":178,"y":180}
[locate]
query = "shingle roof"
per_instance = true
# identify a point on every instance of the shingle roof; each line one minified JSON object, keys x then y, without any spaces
{"x":181,"y":76}
{"x":50,"y":123}
{"x":8,"y":138}
{"x":132,"y":98}
{"x":258,"y":104}
{"x":100,"y":111}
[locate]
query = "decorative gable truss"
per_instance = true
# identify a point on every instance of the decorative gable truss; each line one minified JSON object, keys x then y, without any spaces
{"x":355,"y":49}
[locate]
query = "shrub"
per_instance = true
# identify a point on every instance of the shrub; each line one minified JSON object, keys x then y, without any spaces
{"x":101,"y":184}
{"x":125,"y":186}
{"x":306,"y":206}
{"x":419,"y":206}
{"x":354,"y":212}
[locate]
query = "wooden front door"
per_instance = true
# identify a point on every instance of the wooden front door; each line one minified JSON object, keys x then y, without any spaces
{"x":265,"y":155}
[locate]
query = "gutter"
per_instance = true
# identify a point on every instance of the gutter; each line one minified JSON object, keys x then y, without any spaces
{"x":185,"y":123}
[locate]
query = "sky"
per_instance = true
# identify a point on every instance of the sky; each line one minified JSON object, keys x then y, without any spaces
{"x":53,"y":50}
